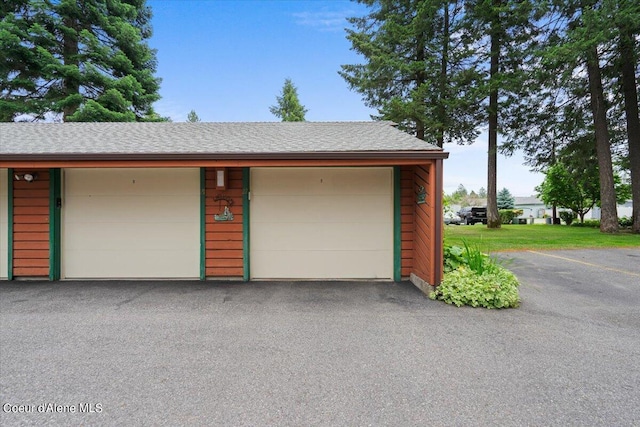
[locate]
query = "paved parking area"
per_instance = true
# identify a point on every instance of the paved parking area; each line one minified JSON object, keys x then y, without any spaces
{"x":332,"y":353}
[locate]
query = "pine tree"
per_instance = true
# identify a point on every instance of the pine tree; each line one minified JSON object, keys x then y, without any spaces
{"x":579,"y":44}
{"x":500,"y":32}
{"x":192,"y":117}
{"x":83,"y":61}
{"x":288,"y":107}
{"x":505,"y":199}
{"x":628,"y":26}
{"x":417,"y":70}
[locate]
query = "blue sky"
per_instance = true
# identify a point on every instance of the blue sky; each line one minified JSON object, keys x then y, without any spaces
{"x":227,"y":60}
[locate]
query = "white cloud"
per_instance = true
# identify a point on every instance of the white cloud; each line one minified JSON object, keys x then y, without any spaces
{"x":324,"y":20}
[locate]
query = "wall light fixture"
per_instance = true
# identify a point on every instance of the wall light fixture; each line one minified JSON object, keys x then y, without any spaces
{"x":27,"y":176}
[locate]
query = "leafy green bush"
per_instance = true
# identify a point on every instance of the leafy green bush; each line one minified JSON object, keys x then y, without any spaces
{"x":592,"y":223}
{"x":495,"y":288}
{"x":625,"y":221}
{"x":568,"y":216}
{"x":453,"y":258}
{"x":473,"y":278}
{"x":507,"y":215}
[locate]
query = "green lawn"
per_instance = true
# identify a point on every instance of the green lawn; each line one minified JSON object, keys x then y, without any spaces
{"x":537,"y":236}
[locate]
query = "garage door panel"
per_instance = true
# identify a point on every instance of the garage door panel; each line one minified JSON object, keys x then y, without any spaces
{"x":319,"y":209}
{"x":328,"y":264}
{"x":4,"y":223}
{"x":128,"y":264}
{"x":333,"y":236}
{"x":120,"y":182}
{"x":332,"y":181}
{"x":322,"y":223}
{"x":365,"y":181}
{"x":147,"y":236}
{"x":125,"y":223}
{"x":138,"y":208}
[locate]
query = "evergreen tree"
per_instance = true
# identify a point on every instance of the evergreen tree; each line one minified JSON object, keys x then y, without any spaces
{"x":585,"y":87}
{"x":460,"y":195}
{"x":84,"y":61}
{"x":417,"y":71}
{"x":505,"y":199}
{"x":582,"y":44}
{"x":501,"y":32}
{"x":288,"y":107}
{"x":192,"y":117}
{"x":628,"y":26}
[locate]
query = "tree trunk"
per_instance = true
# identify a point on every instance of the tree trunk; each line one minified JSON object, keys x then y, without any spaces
{"x":420,"y":79}
{"x":608,"y":204}
{"x":70,"y":85}
{"x":628,"y":58}
{"x":554,"y":207}
{"x":444,"y":61}
{"x":419,"y":130}
{"x":493,"y":217}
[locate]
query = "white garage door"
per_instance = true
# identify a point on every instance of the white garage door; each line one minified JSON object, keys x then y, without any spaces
{"x":4,"y":223}
{"x":131,"y":223}
{"x":321,"y":223}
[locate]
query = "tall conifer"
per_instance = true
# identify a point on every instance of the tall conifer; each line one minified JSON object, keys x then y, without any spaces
{"x":80,"y":61}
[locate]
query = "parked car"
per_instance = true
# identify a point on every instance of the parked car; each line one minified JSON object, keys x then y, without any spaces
{"x":473,"y":214}
{"x":451,"y":220}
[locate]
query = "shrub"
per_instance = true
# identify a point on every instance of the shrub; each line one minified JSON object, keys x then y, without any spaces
{"x":453,"y":258}
{"x":625,"y":221}
{"x":468,"y":256}
{"x":593,"y":223}
{"x":477,"y":261}
{"x":473,"y":278}
{"x":495,"y":288}
{"x":507,"y":215}
{"x":568,"y":216}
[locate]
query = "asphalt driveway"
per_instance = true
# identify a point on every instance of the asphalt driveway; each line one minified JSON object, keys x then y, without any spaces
{"x":333,"y":353}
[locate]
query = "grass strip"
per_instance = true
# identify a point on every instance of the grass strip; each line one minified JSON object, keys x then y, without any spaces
{"x":536,"y":236}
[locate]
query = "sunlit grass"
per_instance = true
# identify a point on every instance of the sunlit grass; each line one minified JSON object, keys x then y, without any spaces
{"x":536,"y":236}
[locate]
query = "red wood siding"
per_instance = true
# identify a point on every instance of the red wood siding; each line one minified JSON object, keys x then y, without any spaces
{"x":407,"y":202}
{"x":223,"y":255}
{"x":423,"y":235}
{"x":31,"y":225}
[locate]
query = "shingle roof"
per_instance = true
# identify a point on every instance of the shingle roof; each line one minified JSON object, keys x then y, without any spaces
{"x":532,"y":200}
{"x":205,"y":138}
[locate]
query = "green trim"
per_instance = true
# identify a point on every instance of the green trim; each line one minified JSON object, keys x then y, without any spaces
{"x":55,"y":208}
{"x":438,"y":213}
{"x":203,"y":224}
{"x":246,"y":175}
{"x":10,"y":224}
{"x":397,"y":225}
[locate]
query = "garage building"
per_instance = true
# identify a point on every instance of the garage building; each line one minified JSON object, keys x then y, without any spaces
{"x":250,"y":201}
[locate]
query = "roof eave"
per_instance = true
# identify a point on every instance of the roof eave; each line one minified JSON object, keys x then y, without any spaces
{"x":346,"y":155}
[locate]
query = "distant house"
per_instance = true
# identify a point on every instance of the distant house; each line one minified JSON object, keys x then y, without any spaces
{"x":624,"y":210}
{"x":532,"y":207}
{"x":341,"y":200}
